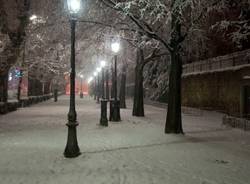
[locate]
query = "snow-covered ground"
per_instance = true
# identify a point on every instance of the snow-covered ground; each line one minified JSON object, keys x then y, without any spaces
{"x":134,"y":151}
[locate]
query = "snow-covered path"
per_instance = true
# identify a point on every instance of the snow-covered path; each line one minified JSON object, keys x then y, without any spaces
{"x":134,"y":151}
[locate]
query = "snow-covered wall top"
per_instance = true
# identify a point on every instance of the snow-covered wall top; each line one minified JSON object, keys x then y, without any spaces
{"x":232,"y":61}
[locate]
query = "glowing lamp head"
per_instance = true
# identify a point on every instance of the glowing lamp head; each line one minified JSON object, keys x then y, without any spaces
{"x":115,"y":47}
{"x":103,"y":64}
{"x":33,"y":17}
{"x":74,"y":6}
{"x":98,"y":69}
{"x":81,"y":76}
{"x":90,"y":80}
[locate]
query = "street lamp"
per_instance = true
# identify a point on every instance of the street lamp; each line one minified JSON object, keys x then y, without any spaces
{"x":98,"y":70}
{"x":103,"y":119}
{"x":73,"y":6}
{"x":72,"y":149}
{"x":103,"y":64}
{"x":81,"y":93}
{"x":115,"y":103}
{"x":95,"y":86}
{"x":33,"y":17}
{"x":115,"y":46}
{"x":107,"y":83}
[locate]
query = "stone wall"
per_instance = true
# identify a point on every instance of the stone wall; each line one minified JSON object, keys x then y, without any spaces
{"x":214,"y":84}
{"x":220,"y":89}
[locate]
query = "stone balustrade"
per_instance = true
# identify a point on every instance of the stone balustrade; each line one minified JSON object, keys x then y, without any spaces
{"x":221,"y":63}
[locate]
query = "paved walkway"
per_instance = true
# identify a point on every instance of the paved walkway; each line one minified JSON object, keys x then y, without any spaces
{"x":134,"y":151}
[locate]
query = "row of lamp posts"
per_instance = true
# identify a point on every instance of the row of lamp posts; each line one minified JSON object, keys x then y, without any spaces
{"x":99,"y":89}
{"x":72,"y":148}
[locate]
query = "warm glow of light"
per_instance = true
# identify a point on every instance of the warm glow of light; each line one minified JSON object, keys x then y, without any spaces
{"x":103,"y":64}
{"x":33,"y":17}
{"x":81,"y":76}
{"x":74,"y":5}
{"x":115,"y":47}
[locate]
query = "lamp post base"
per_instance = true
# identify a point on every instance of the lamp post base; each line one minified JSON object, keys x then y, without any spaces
{"x":72,"y":150}
{"x":115,"y":110}
{"x":104,"y":119}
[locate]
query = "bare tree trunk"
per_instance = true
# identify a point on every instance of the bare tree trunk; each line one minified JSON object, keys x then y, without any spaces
{"x":4,"y":87}
{"x":138,"y":107}
{"x":174,"y":121}
{"x":123,"y":88}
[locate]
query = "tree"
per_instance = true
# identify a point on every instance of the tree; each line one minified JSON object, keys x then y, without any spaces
{"x":119,"y":28}
{"x":234,"y":21}
{"x":169,"y":22}
{"x":138,"y":106}
{"x":12,"y":27}
{"x":122,"y":94}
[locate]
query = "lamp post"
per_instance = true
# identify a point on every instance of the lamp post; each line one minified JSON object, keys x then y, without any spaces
{"x":72,"y":149}
{"x":95,"y":86}
{"x":103,"y":119}
{"x":112,"y":80}
{"x":81,"y":93}
{"x":89,"y":81}
{"x":103,"y":64}
{"x":107,"y":84}
{"x":98,"y":84}
{"x":115,"y":103}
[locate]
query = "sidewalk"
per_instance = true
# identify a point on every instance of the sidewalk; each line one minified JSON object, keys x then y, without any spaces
{"x":134,"y":151}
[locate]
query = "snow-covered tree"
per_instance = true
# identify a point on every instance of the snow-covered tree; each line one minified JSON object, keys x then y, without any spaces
{"x":169,"y":22}
{"x":13,"y":18}
{"x":234,"y":20}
